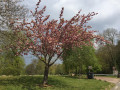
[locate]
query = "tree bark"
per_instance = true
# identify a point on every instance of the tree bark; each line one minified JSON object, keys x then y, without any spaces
{"x":80,"y":70}
{"x":45,"y":79}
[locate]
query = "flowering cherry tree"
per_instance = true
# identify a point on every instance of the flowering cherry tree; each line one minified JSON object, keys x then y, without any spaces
{"x":47,"y":38}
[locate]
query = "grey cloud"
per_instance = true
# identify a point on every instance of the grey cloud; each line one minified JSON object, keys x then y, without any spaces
{"x":109,"y":22}
{"x":108,"y":10}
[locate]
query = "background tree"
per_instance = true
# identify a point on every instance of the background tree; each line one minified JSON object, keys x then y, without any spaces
{"x":11,"y":11}
{"x":47,"y":39}
{"x":104,"y":60}
{"x":117,"y":49}
{"x":78,"y":60}
{"x":59,"y":70}
{"x":10,"y":64}
{"x":14,"y":64}
{"x":35,"y":68}
{"x":107,"y":54}
{"x":30,"y":69}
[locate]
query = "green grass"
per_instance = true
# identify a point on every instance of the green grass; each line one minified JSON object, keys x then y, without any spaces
{"x":55,"y":82}
{"x":111,"y":76}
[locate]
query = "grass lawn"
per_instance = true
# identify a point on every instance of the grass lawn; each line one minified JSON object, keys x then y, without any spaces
{"x":55,"y":82}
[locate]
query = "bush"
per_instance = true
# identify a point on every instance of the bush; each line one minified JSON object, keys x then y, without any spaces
{"x":11,"y":71}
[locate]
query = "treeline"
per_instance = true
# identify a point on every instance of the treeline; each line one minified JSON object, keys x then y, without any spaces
{"x":11,"y":65}
{"x":76,"y":60}
{"x":37,"y":68}
{"x":10,"y":11}
{"x":109,"y":54}
{"x":103,"y":58}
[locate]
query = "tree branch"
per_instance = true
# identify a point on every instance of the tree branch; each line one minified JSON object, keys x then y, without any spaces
{"x":56,"y":59}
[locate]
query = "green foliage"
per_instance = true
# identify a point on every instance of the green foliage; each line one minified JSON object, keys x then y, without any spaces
{"x":107,"y":54}
{"x":10,"y":64}
{"x":107,"y":58}
{"x":56,"y":69}
{"x":78,"y":60}
{"x":10,"y":71}
{"x":117,"y":49}
{"x":35,"y":68}
{"x":59,"y":69}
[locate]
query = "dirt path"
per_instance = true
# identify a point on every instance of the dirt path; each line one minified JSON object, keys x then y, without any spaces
{"x":109,"y":79}
{"x":116,"y":81}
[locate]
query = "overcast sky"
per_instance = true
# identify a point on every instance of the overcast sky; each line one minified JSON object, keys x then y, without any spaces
{"x":108,"y":11}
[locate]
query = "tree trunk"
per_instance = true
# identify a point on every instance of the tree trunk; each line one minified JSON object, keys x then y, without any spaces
{"x":76,"y":71}
{"x":80,"y":70}
{"x":45,"y":79}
